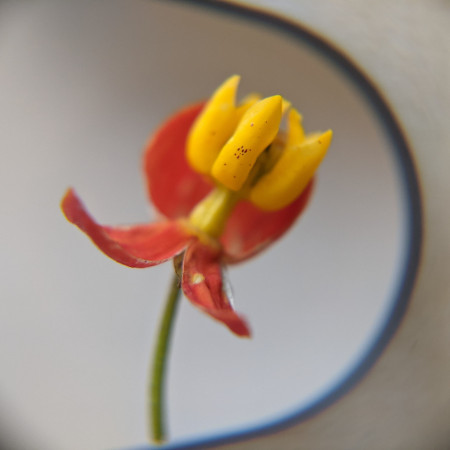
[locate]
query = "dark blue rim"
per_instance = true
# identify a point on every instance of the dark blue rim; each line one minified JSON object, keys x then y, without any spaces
{"x":413,"y":205}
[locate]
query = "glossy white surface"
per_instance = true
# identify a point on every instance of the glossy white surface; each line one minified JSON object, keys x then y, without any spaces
{"x":83,"y":86}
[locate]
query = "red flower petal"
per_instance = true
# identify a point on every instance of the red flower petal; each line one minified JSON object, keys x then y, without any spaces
{"x":250,"y":230}
{"x":203,"y":286}
{"x":173,"y":187}
{"x":133,"y":246}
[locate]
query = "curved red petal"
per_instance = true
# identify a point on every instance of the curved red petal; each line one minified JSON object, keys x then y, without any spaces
{"x":250,"y":230}
{"x":134,"y":246}
{"x":173,"y":187}
{"x":203,"y":286}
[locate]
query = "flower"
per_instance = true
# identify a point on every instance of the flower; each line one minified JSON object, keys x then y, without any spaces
{"x":228,"y":183}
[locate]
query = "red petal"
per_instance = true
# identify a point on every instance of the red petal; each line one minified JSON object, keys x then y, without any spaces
{"x":203,"y":286}
{"x":250,"y":230}
{"x":133,"y":246}
{"x":173,"y":187}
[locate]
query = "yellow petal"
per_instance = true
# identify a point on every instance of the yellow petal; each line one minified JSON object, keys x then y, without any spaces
{"x":285,"y":106}
{"x":213,"y":126}
{"x":295,"y":133}
{"x":248,"y":101}
{"x":256,"y":130}
{"x":292,"y":172}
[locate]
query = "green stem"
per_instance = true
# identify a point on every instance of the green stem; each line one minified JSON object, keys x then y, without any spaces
{"x":156,"y":382}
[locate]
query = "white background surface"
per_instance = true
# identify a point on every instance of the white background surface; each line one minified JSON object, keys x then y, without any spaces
{"x":55,"y":329}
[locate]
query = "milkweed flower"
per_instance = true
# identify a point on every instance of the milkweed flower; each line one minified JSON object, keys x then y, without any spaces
{"x":227,"y":181}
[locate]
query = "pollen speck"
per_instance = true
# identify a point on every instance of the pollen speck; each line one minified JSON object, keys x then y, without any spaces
{"x":197,"y":278}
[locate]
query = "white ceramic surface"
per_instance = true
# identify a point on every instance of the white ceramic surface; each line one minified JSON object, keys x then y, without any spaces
{"x":83,"y":85}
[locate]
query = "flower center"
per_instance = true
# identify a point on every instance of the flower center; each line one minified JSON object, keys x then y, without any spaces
{"x":242,"y":150}
{"x":211,"y":214}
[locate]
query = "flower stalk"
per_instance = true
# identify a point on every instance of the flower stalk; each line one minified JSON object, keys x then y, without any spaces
{"x":156,"y":403}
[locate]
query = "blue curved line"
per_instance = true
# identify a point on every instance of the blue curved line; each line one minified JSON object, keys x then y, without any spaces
{"x":410,"y":185}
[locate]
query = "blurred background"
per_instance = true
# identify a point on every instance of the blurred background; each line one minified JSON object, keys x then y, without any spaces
{"x":82,"y":87}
